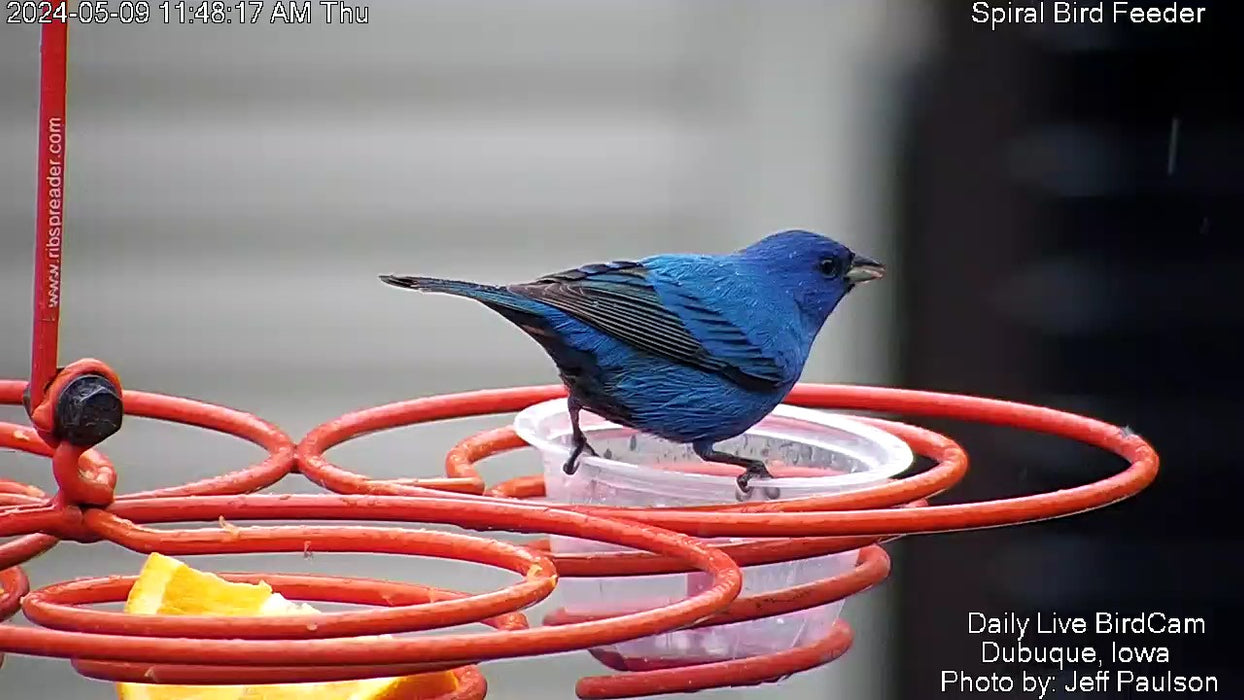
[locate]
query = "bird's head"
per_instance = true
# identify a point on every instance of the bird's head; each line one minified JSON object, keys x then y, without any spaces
{"x":816,"y":270}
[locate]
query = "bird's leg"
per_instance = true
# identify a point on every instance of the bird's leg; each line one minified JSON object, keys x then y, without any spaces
{"x":578,"y":441}
{"x":753,"y":467}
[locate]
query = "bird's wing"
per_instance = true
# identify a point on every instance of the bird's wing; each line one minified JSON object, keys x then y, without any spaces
{"x":618,"y":298}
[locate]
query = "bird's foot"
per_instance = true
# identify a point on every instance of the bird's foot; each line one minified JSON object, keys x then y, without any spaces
{"x":580,"y":447}
{"x":752,"y":468}
{"x":578,"y":439}
{"x":746,"y":493}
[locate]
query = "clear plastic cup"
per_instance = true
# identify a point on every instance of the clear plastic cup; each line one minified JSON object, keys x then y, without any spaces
{"x":809,"y":452}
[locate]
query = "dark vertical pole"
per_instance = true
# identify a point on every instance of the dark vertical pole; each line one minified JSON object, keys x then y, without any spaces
{"x":965,"y":229}
{"x":1074,"y":236}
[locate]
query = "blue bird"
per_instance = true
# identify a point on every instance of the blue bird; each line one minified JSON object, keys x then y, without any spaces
{"x":694,"y":349}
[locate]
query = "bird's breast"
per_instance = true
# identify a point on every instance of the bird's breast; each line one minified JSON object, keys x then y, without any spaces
{"x":678,"y":403}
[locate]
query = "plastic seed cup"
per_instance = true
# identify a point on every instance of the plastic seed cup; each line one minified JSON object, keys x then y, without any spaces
{"x":809,"y":453}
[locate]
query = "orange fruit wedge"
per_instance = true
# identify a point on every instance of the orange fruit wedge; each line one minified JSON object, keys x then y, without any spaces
{"x":167,"y":586}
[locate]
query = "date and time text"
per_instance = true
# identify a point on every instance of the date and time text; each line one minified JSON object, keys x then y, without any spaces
{"x":185,"y":12}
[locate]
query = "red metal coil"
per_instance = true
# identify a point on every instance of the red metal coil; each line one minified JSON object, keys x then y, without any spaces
{"x":271,"y":469}
{"x":843,"y":521}
{"x":652,"y":679}
{"x":252,"y":643}
{"x":751,"y":671}
{"x":322,"y":588}
{"x":55,"y":606}
{"x":274,"y":467}
{"x":471,"y":682}
{"x":849,"y":513}
{"x":173,"y":409}
{"x":784,"y":519}
{"x":871,"y":568}
{"x":13,"y":585}
{"x":13,"y":493}
{"x":117,"y":646}
{"x":27,"y":512}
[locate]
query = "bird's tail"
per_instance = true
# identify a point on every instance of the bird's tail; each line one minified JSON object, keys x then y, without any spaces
{"x":435,"y":284}
{"x":488,"y":294}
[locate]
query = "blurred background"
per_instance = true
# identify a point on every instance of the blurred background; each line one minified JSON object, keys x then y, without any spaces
{"x":1059,"y":207}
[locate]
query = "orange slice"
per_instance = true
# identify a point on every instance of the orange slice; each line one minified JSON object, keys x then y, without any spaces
{"x":166,"y":586}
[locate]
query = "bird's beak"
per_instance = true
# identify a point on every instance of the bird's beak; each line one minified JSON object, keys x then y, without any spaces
{"x":864,"y":269}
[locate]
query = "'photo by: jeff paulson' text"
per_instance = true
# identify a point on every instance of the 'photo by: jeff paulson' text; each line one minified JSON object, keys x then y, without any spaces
{"x":1050,"y":655}
{"x":996,"y":14}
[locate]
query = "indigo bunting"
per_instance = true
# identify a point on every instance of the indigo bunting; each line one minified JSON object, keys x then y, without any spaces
{"x":689,"y":348}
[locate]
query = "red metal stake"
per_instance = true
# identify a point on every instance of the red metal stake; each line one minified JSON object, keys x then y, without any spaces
{"x":50,"y":210}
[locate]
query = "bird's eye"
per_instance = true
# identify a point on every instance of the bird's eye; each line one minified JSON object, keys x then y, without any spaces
{"x":831,"y":267}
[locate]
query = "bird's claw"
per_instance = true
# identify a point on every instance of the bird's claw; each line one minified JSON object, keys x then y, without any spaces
{"x":744,"y":480}
{"x":572,"y":463}
{"x":747,"y":493}
{"x":752,"y":468}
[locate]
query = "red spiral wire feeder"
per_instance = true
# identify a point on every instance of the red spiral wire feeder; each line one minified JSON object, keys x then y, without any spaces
{"x":74,"y":408}
{"x":812,"y":526}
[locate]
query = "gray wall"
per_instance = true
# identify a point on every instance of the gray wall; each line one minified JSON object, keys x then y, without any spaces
{"x":232,"y":193}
